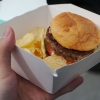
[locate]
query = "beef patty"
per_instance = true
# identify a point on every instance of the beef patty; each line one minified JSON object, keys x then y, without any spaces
{"x":65,"y":52}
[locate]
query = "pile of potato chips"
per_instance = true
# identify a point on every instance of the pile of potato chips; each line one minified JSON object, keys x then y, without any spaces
{"x":33,"y":42}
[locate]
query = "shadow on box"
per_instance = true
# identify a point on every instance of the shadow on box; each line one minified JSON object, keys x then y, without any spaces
{"x":96,"y":68}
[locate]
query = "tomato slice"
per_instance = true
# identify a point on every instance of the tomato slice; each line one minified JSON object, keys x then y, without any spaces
{"x":51,"y":51}
{"x":68,"y":62}
{"x":49,"y":48}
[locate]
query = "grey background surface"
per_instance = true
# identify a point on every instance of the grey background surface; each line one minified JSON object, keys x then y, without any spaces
{"x":89,"y":90}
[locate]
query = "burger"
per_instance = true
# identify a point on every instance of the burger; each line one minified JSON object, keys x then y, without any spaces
{"x":72,"y":36}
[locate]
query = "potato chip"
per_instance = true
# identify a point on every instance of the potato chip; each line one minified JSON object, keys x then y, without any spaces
{"x":25,"y":40}
{"x":36,"y":51}
{"x":39,"y":34}
{"x":55,"y":61}
{"x":34,"y":41}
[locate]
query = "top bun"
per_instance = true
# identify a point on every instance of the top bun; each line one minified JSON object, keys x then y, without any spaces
{"x":73,"y":31}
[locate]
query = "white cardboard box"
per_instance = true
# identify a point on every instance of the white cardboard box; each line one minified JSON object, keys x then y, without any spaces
{"x":33,"y":68}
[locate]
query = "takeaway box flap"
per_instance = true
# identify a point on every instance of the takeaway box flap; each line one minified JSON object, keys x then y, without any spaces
{"x":33,"y":68}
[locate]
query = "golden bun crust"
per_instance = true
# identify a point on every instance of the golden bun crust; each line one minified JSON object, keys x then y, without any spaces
{"x":75,"y":32}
